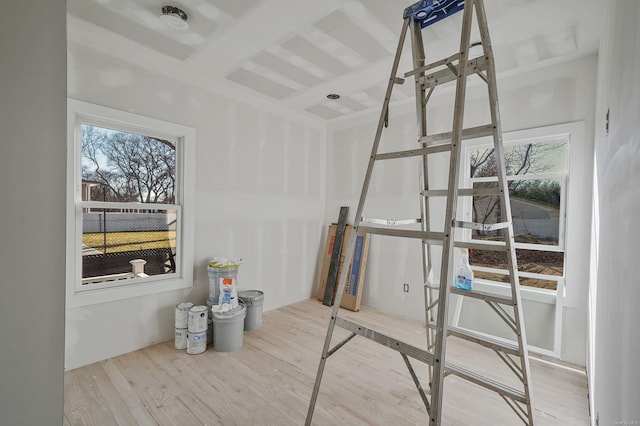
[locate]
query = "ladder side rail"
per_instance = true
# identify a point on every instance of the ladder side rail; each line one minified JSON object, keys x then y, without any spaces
{"x":381,"y":121}
{"x":352,"y":239}
{"x":505,"y":204}
{"x":418,"y":55}
{"x":326,"y":350}
{"x":446,"y":273}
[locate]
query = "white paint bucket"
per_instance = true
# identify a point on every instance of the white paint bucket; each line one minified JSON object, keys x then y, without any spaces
{"x":197,"y":319}
{"x":182,"y":311}
{"x":196,"y":342}
{"x":253,"y":300}
{"x":228,"y":328}
{"x":215,"y":275}
{"x":181,"y":338}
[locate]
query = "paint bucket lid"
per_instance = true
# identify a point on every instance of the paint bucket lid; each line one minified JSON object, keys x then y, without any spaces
{"x":184,"y":305}
{"x":251,"y":296}
{"x":199,"y":308}
{"x":238,"y":312}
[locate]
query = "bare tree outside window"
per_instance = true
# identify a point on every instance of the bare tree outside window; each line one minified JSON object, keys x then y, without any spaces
{"x":124,"y":167}
{"x":134,"y":167}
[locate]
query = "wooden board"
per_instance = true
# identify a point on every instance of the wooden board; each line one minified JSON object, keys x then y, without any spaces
{"x":357,"y":267}
{"x":332,"y":277}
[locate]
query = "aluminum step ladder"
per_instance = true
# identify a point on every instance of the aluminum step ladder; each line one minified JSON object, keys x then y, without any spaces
{"x":458,"y":67}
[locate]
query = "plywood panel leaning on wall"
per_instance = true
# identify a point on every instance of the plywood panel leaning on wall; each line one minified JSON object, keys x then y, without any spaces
{"x":357,"y":267}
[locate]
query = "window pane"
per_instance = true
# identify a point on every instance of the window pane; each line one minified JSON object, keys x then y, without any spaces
{"x":532,"y":261}
{"x":535,"y":211}
{"x":529,"y":282}
{"x":112,"y":238}
{"x":127,"y":167}
{"x":549,"y":156}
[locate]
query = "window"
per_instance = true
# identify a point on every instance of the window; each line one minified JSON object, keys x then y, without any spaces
{"x":537,"y":172}
{"x":129,"y":220}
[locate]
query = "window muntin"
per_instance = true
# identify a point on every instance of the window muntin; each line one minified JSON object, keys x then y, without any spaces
{"x":536,"y":175}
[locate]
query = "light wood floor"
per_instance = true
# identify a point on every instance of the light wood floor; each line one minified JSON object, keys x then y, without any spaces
{"x":269,"y":381}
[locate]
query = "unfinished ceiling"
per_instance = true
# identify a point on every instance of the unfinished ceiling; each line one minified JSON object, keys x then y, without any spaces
{"x":295,"y":52}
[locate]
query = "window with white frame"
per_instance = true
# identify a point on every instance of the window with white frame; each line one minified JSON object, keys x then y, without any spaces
{"x":129,"y":221}
{"x":537,"y":171}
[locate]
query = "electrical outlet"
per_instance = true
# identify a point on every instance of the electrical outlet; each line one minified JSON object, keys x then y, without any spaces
{"x":406,"y":287}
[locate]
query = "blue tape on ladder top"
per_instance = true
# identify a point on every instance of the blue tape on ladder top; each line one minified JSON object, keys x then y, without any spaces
{"x":429,"y":12}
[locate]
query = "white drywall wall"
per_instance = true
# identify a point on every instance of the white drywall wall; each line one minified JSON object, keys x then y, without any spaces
{"x":32,"y":184}
{"x":615,"y":380}
{"x":557,"y":94}
{"x":259,"y":195}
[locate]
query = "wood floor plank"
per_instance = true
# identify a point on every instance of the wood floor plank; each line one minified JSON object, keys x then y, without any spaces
{"x":110,"y":396}
{"x":269,"y":381}
{"x":129,"y":394}
{"x":86,"y":402}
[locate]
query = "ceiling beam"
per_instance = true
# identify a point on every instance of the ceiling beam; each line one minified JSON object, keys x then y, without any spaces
{"x":269,"y":23}
{"x":99,"y":39}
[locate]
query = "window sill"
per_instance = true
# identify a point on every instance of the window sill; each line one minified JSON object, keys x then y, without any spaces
{"x":103,"y":295}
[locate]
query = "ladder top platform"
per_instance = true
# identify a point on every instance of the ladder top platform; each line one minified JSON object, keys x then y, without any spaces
{"x":429,"y":12}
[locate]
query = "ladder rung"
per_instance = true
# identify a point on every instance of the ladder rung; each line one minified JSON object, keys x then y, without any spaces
{"x":487,"y":297}
{"x":398,"y":81}
{"x":488,"y":342}
{"x":432,"y":65}
{"x":390,"y":222}
{"x":427,"y":358}
{"x":444,"y":76}
{"x":434,"y":149}
{"x":390,"y":342}
{"x":435,"y":193}
{"x":487,"y":383}
{"x":481,"y":226}
{"x":500,"y":246}
{"x":470,"y":133}
{"x":404,"y":233}
{"x":470,"y":192}
{"x":463,"y":192}
{"x":401,"y":154}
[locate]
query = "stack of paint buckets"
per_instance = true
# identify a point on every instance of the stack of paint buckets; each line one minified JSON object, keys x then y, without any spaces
{"x":191,"y":328}
{"x":197,"y":330}
{"x":223,"y":321}
{"x":181,"y":323}
{"x":227,"y":313}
